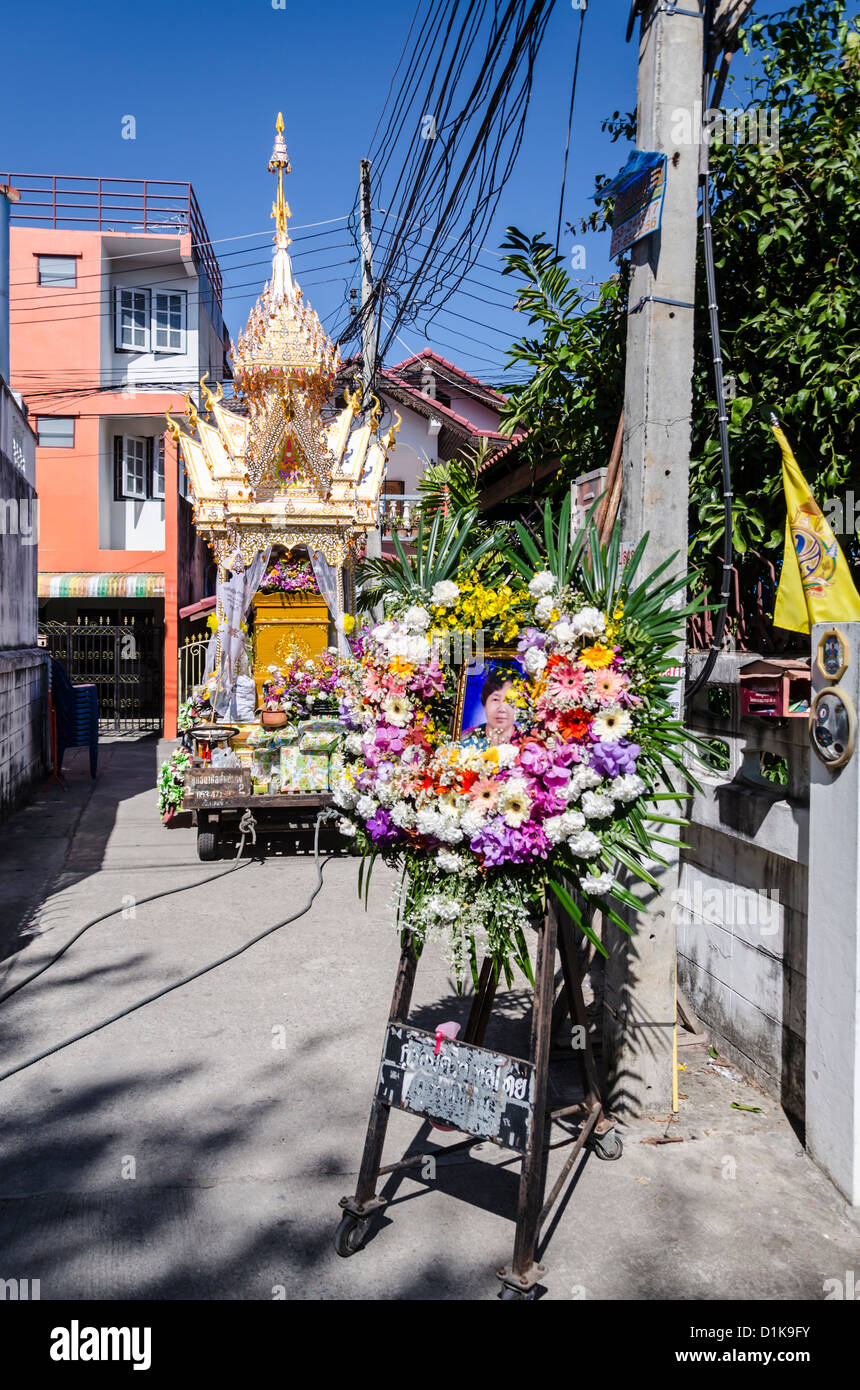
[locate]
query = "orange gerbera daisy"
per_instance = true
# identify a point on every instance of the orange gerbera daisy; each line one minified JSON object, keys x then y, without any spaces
{"x":573,"y":725}
{"x":597,"y":656}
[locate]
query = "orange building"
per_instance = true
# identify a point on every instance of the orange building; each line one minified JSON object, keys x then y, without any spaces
{"x":116,"y":313}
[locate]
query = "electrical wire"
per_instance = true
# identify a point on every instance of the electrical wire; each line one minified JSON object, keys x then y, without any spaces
{"x":327,"y":814}
{"x":582,"y":14}
{"x":719,"y":385}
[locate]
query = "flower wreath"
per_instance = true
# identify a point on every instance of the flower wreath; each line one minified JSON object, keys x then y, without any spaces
{"x":480,"y":831}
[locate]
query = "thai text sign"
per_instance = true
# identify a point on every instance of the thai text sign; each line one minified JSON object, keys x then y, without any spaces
{"x":483,"y":1093}
{"x":206,"y":786}
{"x":639,"y":191}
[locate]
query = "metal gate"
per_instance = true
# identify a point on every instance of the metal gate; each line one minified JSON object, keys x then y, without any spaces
{"x":124,"y":662}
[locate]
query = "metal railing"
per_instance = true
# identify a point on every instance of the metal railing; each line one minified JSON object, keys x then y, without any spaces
{"x":398,"y":512}
{"x":192,"y":665}
{"x":89,"y":203}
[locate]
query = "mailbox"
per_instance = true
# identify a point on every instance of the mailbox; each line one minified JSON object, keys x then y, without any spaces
{"x":780,"y":688}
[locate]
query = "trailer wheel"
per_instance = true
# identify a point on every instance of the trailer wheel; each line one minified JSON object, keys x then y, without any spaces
{"x":207,"y":844}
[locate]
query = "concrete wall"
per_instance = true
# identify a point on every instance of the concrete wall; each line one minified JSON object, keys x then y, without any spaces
{"x":742,"y":896}
{"x":23,"y":666}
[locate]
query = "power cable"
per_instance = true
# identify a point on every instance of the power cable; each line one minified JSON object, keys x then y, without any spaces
{"x":582,"y":14}
{"x":327,"y":814}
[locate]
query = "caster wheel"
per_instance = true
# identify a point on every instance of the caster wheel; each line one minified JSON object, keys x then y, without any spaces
{"x":207,"y":845}
{"x":349,"y":1236}
{"x":609,"y":1146}
{"x":509,"y":1295}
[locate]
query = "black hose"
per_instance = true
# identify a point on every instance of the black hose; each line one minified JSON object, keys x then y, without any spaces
{"x":195,"y":975}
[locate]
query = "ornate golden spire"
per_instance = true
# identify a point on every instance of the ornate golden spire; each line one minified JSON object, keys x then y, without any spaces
{"x":280,"y":161}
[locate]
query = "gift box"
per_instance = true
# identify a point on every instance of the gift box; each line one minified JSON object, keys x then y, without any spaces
{"x":315,"y":760}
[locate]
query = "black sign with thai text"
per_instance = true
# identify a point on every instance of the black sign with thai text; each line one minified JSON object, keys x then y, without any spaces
{"x":483,"y":1093}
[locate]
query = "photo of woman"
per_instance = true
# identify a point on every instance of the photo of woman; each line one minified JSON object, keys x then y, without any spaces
{"x":490,"y":711}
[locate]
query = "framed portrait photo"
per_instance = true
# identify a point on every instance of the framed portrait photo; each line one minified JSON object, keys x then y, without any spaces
{"x":491,"y":706}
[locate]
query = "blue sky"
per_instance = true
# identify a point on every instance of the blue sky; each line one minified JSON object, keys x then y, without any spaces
{"x":204,"y":83}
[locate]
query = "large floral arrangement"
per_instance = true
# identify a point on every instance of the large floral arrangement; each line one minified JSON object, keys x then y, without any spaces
{"x":479,"y":829}
{"x":289,"y":576}
{"x":304,"y":685}
{"x":171,"y":783}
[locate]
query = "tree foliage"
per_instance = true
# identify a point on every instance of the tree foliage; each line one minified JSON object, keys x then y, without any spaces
{"x":786,"y":222}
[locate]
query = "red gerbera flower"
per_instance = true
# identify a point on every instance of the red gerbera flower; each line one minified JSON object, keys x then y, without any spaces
{"x":573,"y":725}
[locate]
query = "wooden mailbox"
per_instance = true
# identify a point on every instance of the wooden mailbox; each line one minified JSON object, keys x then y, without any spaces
{"x":778,"y":688}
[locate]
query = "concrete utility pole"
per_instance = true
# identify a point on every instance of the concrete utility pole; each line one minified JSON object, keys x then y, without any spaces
{"x":657,"y":422}
{"x":833,"y":942}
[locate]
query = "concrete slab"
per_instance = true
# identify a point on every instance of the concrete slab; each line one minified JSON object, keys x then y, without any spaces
{"x":198,"y":1147}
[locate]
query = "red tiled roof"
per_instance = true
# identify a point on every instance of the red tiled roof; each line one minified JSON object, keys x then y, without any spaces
{"x":437,"y":408}
{"x":427,"y":354}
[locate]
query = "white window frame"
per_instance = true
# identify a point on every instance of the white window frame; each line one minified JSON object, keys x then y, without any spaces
{"x":130,"y":494}
{"x":157,"y":491}
{"x":144,"y":310}
{"x":169,"y":347}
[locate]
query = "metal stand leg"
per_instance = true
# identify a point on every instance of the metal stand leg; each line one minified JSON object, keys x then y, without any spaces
{"x":359,"y":1208}
{"x":524,"y":1273}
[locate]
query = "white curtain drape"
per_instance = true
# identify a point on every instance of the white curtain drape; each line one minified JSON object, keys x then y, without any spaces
{"x":234,"y":598}
{"x":330,"y":584}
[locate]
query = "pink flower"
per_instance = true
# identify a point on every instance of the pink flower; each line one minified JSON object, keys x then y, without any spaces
{"x":608,"y":686}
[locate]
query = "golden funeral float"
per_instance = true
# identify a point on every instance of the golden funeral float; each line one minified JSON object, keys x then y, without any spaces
{"x":279,"y":471}
{"x":285,"y":489}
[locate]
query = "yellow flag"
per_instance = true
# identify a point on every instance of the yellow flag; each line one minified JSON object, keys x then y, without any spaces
{"x":815,"y":585}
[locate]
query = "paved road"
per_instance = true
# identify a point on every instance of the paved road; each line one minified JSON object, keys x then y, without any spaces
{"x":183,"y":1153}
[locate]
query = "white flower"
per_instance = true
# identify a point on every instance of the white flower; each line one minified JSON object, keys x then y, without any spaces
{"x":345,"y":794}
{"x":309,"y":665}
{"x":416,"y":618}
{"x":449,"y":831}
{"x":572,"y":821}
{"x":554,"y":829}
{"x":472,"y":820}
{"x":611,"y":725}
{"x":543,"y":610}
{"x":397,"y":710}
{"x":366,"y":807}
{"x":588,"y":622}
{"x":582,"y":778}
{"x":449,"y":806}
{"x":354,"y":744}
{"x":585,"y":845}
{"x":596,"y":884}
{"x":428,"y":822}
{"x":535,"y":661}
{"x":563,"y":634}
{"x":445,"y":908}
{"x":346,"y":827}
{"x":597,"y":805}
{"x":542,"y":584}
{"x":309,"y":699}
{"x":515,"y":802}
{"x":403,"y":815}
{"x":383,"y":631}
{"x":627,"y":788}
{"x":448,"y":861}
{"x":507,"y":755}
{"x":445,"y":593}
{"x":386,"y":793}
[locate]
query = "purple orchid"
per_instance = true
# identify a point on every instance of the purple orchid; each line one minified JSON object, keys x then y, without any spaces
{"x":381,"y":828}
{"x":531,"y":637}
{"x":614,"y":759}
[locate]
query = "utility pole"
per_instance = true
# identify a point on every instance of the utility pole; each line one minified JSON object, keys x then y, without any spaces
{"x":369,"y":326}
{"x":640,"y":993}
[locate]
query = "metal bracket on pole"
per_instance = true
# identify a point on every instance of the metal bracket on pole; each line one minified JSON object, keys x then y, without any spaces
{"x":657,"y":299}
{"x":668,"y":7}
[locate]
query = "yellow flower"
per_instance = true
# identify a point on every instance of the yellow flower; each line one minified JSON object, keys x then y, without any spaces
{"x":596,"y":656}
{"x":212,"y":623}
{"x":348,"y":622}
